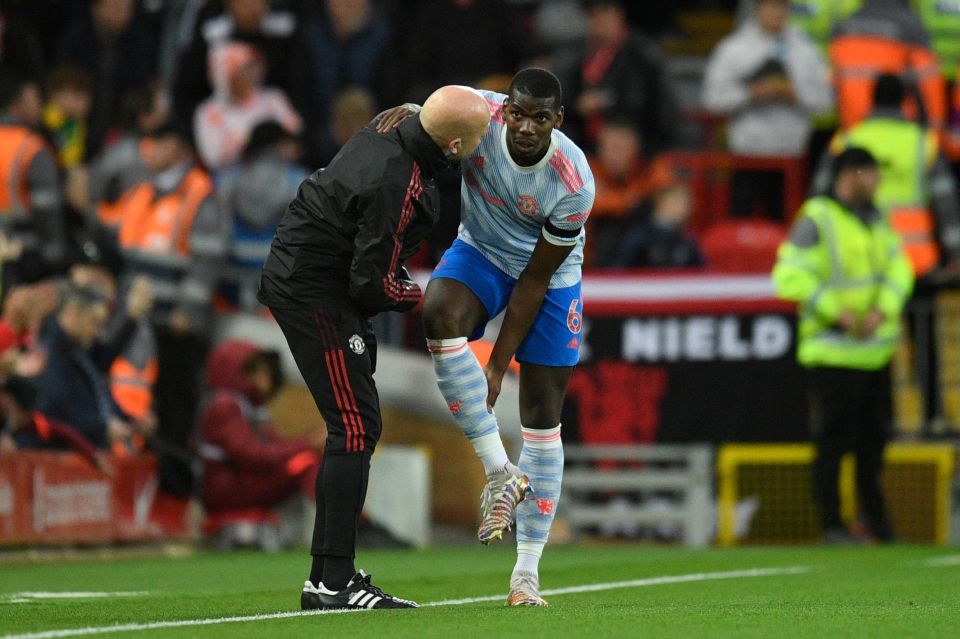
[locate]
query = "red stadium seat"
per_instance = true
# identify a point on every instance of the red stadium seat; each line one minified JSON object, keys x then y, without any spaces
{"x":742,"y":246}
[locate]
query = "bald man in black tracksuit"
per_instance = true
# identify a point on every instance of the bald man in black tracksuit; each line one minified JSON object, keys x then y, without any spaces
{"x":336,"y":261}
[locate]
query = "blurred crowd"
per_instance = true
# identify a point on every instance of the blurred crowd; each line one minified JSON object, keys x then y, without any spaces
{"x":149,"y":147}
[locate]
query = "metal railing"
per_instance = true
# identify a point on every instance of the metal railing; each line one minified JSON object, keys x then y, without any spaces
{"x":665,"y":485}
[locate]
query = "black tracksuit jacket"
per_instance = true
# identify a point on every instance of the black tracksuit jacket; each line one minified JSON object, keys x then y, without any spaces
{"x":352,"y":224}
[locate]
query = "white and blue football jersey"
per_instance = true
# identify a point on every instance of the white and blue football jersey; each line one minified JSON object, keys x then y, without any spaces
{"x":507,"y":207}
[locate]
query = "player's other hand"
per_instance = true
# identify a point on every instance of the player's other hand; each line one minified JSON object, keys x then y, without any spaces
{"x":392,"y":118}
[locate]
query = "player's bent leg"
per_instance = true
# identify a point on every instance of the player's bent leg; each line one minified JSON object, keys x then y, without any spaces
{"x":464,"y":387}
{"x":503,"y":492}
{"x":451,"y":309}
{"x":452,"y":312}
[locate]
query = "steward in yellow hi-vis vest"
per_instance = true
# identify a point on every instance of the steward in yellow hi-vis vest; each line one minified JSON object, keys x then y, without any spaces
{"x":916,"y":189}
{"x":845,"y":267}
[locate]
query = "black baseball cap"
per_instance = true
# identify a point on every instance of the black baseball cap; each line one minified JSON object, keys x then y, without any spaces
{"x":854,"y":157}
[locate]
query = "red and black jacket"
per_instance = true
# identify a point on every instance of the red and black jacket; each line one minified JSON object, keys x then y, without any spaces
{"x":351,"y":226}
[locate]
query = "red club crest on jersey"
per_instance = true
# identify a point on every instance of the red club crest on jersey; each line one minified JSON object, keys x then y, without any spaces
{"x":455,"y":406}
{"x":545,"y":506}
{"x":528,"y":205}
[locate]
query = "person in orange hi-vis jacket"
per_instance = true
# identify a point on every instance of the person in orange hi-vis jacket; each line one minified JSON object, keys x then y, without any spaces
{"x":885,"y":36}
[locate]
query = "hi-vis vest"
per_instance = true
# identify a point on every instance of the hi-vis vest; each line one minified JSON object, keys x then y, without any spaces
{"x":942,"y":20}
{"x":857,"y":59}
{"x":906,"y":153}
{"x":18,"y":146}
{"x":853,"y":266}
{"x":819,"y":17}
{"x":134,"y":372}
{"x":161,"y":225}
{"x":109,"y":213}
{"x":155,"y":232}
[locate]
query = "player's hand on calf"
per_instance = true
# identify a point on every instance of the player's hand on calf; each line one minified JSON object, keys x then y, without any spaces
{"x":494,"y":382}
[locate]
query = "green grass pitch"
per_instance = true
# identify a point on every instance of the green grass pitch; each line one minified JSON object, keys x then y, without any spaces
{"x":641,"y":591}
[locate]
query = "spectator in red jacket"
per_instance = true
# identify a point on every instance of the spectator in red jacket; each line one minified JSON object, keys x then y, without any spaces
{"x":247,"y":465}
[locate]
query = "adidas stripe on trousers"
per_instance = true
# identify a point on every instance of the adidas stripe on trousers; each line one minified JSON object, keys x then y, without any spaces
{"x":336,"y":351}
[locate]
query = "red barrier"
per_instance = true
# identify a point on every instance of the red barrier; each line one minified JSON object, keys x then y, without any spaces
{"x":709,"y":173}
{"x":58,"y":498}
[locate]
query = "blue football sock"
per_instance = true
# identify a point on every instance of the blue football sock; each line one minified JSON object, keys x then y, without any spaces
{"x":541,"y":460}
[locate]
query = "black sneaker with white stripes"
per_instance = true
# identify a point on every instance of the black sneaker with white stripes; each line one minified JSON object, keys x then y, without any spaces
{"x":358,"y":594}
{"x":310,"y":597}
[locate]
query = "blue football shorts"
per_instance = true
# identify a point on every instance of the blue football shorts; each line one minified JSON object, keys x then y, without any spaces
{"x":554,"y":336}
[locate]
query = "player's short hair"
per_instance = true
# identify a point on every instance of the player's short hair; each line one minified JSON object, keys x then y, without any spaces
{"x":538,"y":83}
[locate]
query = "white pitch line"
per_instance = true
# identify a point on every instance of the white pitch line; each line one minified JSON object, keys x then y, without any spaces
{"x":614,"y":585}
{"x":639,"y":583}
{"x":78,"y":594}
{"x":948,"y":560}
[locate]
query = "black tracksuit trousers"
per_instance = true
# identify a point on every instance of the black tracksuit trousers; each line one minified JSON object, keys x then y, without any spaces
{"x":336,"y":351}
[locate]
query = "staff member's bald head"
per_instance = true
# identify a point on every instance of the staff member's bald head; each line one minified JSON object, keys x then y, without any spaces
{"x":455,"y":118}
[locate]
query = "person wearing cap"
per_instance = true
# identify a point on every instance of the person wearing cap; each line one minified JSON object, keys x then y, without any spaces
{"x":845,"y":267}
{"x":918,"y":193}
{"x":336,"y":261}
